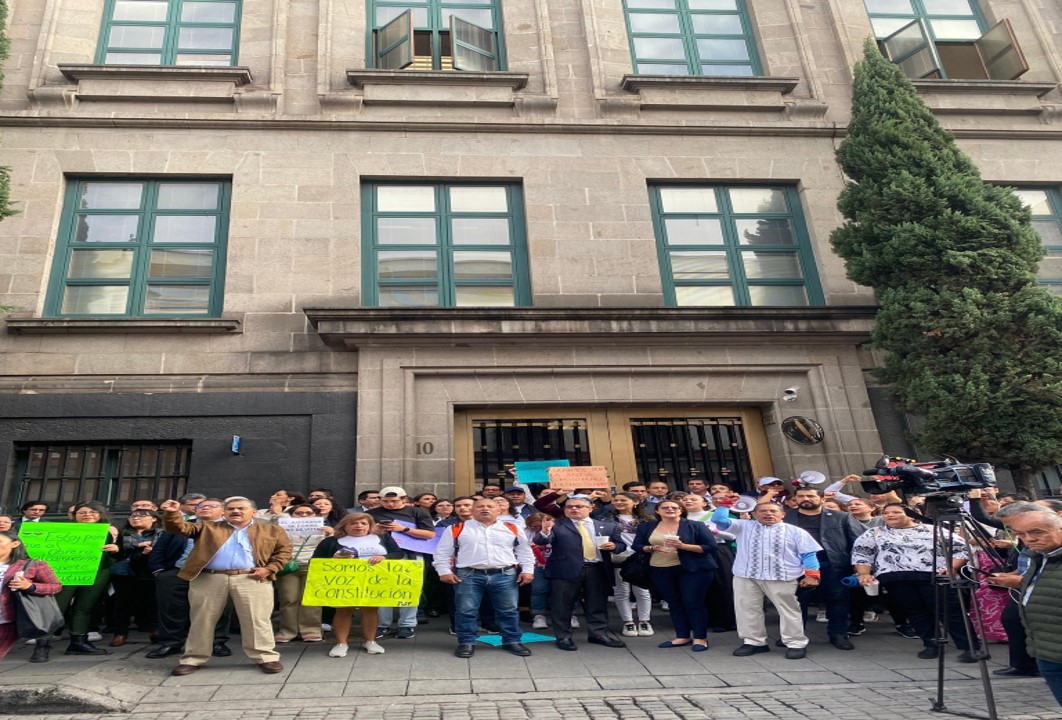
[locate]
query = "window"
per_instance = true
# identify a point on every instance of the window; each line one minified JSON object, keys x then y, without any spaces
{"x":114,"y":474}
{"x":736,"y":245}
{"x":141,"y":248}
{"x":936,"y":39}
{"x":444,"y":245}
{"x":169,"y":32}
{"x":691,"y":37}
{"x":436,"y":35}
{"x":1046,"y":207}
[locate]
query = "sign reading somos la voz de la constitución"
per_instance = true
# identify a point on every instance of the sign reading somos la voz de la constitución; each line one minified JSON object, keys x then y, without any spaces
{"x":350,"y":582}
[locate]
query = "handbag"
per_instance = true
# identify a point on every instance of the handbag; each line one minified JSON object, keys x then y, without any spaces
{"x":635,"y":570}
{"x":292,"y":565}
{"x":36,"y":616}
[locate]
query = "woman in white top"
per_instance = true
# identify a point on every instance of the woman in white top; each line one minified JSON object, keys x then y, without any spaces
{"x":629,"y":514}
{"x":297,"y":619}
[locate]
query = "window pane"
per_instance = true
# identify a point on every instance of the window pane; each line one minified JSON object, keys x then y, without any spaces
{"x":481,"y":17}
{"x":757,"y":200}
{"x":385,"y":15}
{"x":884,"y":27}
{"x":208,"y":12}
{"x":480,"y":231}
{"x":948,"y":7}
{"x":110,"y":196}
{"x":706,"y":295}
{"x":764,"y":265}
{"x":408,"y":296}
{"x":412,"y":264}
{"x":654,"y":22}
{"x":410,"y":231}
{"x":211,"y":59}
{"x":182,"y":299}
{"x":668,"y":48}
{"x":662,"y":4}
{"x":188,"y":196}
{"x":688,"y":200}
{"x":693,"y":231}
{"x":723,"y":50}
{"x":778,"y":295}
{"x":185,"y":228}
{"x":206,"y":38}
{"x":106,"y":228}
{"x":723,"y":70}
{"x":699,"y":266}
{"x":717,"y":24}
{"x":921,"y":64}
{"x":95,"y":300}
{"x":1051,"y":266}
{"x":476,"y":265}
{"x":478,"y":199}
{"x":713,"y":4}
{"x":475,"y":36}
{"x":113,"y":58}
{"x":889,"y":6}
{"x":181,"y":263}
{"x":764,"y":231}
{"x":405,"y":198}
{"x":480,"y":296}
{"x":140,"y":11}
{"x":645,"y":68}
{"x":1049,"y":232}
{"x":1036,"y":200}
{"x":136,"y":36}
{"x":956,"y":29}
{"x":100,"y":264}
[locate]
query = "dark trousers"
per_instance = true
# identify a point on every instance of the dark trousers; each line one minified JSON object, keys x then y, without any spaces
{"x":77,"y":602}
{"x":171,"y":593}
{"x":592,"y":586}
{"x":832,"y":594}
{"x":684,"y":593}
{"x":916,"y":596}
{"x":1018,"y":650}
{"x":720,"y":597}
{"x":134,"y":597}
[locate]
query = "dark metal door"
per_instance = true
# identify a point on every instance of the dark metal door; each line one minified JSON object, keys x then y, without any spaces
{"x":679,"y":449}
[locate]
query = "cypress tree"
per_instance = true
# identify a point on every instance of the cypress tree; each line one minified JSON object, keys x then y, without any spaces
{"x":971,"y":343}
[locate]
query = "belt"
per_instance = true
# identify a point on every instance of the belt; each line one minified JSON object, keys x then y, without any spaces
{"x":591,"y":564}
{"x":488,"y":571}
{"x":229,"y":572}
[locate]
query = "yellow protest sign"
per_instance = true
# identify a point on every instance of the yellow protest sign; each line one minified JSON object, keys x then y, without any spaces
{"x":73,"y":550}
{"x":578,"y":477}
{"x":350,"y":582}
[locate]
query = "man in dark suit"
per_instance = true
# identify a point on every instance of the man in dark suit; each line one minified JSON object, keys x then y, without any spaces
{"x":32,"y":511}
{"x":580,"y":565}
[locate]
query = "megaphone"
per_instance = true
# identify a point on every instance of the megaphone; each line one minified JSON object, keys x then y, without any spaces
{"x":744,"y":504}
{"x":809,"y":478}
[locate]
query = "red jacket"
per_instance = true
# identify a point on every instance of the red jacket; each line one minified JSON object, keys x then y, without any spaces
{"x":40,"y":574}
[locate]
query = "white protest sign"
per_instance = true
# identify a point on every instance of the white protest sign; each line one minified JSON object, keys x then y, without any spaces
{"x":301,"y":526}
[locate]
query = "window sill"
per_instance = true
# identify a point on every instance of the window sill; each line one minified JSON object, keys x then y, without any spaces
{"x":983,"y":97}
{"x":156,"y":83}
{"x":436,"y":87}
{"x":20,"y":325}
{"x":675,"y":92}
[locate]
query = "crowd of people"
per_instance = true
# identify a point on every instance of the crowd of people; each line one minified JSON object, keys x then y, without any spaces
{"x":507,"y":559}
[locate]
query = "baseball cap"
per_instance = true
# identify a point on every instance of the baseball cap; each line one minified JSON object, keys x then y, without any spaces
{"x":769,"y":481}
{"x":514,"y":490}
{"x":392,"y":490}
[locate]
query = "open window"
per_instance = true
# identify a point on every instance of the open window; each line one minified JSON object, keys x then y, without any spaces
{"x":994,"y":55}
{"x":420,"y":38}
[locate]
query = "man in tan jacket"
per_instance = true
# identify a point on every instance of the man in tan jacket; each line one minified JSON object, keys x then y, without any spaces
{"x":234,"y":557}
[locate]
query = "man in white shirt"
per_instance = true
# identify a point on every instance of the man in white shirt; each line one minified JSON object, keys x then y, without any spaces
{"x":484,"y":557}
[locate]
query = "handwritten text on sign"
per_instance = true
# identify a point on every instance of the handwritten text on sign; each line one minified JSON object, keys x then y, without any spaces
{"x":349,"y":582}
{"x":301,"y":527}
{"x":73,"y":550}
{"x":574,"y":478}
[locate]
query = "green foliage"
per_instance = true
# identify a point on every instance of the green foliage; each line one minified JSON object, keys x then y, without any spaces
{"x":5,"y":173}
{"x":972,"y":343}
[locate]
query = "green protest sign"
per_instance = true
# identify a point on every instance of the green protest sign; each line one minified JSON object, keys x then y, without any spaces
{"x":73,"y":550}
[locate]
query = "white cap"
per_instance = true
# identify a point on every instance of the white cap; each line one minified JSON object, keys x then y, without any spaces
{"x":392,"y":490}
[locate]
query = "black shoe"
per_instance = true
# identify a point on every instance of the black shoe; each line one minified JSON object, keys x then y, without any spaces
{"x":566,"y":644}
{"x":929,"y":653}
{"x":842,"y":643}
{"x":721,"y":629}
{"x":465,"y":651}
{"x":166,"y":650}
{"x":1005,"y":672}
{"x":517,"y":649}
{"x":746,"y":650}
{"x":907,"y":631}
{"x":795,"y":653}
{"x":41,"y":651}
{"x":854,"y":630}
{"x":606,"y":641}
{"x":972,"y":656}
{"x":79,"y":645}
{"x":221,"y":650}
{"x":778,"y":643}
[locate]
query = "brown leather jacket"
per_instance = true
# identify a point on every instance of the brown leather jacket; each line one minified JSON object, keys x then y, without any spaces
{"x":271,"y":545}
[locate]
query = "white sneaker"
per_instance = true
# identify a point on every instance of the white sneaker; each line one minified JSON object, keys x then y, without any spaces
{"x":340,"y":650}
{"x":821,"y":617}
{"x":645,"y":629}
{"x":31,"y":642}
{"x":373,"y":648}
{"x":94,"y":637}
{"x":539,"y":622}
{"x":870,"y":616}
{"x":325,"y":627}
{"x":575,"y":622}
{"x":630,"y":629}
{"x":664,"y":605}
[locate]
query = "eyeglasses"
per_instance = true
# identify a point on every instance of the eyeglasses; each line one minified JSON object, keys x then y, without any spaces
{"x":207,"y":506}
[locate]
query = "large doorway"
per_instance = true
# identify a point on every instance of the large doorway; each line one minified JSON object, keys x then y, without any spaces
{"x":673,"y":444}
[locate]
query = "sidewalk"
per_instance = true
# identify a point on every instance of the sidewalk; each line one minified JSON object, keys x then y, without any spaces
{"x":419,"y":679}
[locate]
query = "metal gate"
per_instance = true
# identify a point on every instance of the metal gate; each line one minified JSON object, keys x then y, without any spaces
{"x":679,"y":449}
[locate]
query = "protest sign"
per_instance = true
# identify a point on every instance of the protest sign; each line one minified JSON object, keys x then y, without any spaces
{"x":302,"y":526}
{"x":350,"y":582}
{"x":411,"y":544}
{"x":536,"y":471}
{"x":574,"y":478}
{"x":73,"y":550}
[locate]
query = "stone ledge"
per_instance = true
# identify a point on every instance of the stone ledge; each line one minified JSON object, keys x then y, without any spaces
{"x":784,"y":85}
{"x":361,"y":78}
{"x":740,"y":94}
{"x":984,"y":87}
{"x":237,"y":75}
{"x":17,"y":325}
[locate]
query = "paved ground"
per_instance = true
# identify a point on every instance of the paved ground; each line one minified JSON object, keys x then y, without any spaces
{"x":419,"y":679}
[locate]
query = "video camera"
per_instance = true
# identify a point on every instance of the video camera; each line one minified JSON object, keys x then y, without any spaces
{"x":909,"y":476}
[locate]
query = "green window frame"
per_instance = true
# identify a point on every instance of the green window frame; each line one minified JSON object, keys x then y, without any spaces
{"x":436,"y":35}
{"x":1046,"y":206}
{"x":444,"y":244}
{"x":170,"y":32}
{"x":945,"y":20}
{"x":135,"y":247}
{"x":691,"y":37}
{"x":733,"y":245}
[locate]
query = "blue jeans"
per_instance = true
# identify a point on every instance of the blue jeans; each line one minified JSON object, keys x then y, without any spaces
{"x":500,"y":587}
{"x":540,"y":592}
{"x":1052,"y":674}
{"x":407,"y":617}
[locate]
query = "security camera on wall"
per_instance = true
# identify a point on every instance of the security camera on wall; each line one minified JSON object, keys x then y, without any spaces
{"x":790,"y":394}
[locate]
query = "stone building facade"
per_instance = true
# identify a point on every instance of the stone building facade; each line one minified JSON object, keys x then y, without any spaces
{"x":384,"y":246}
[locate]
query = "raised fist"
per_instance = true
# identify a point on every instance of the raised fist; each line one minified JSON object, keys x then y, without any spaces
{"x":170,"y":506}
